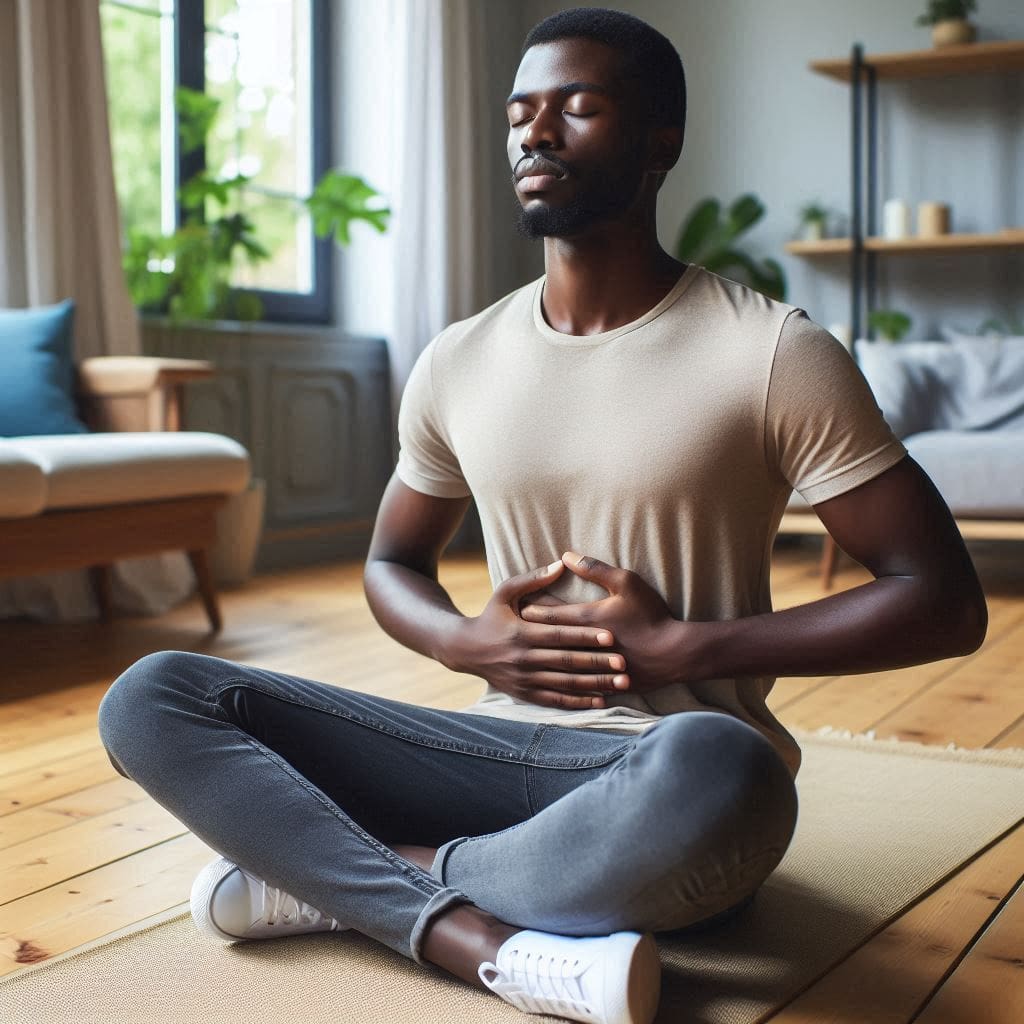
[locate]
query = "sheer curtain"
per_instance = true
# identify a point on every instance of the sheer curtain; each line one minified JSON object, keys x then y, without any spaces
{"x":442,"y":248}
{"x":59,"y":225}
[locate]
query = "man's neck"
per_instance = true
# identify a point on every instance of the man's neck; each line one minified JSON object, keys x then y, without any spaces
{"x":605,"y":280}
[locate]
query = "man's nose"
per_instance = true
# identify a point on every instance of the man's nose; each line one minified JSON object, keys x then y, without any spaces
{"x":541,"y":133}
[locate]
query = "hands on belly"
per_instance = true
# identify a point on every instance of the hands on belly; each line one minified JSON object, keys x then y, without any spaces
{"x":553,"y":665}
{"x":645,"y":631}
{"x":535,"y":647}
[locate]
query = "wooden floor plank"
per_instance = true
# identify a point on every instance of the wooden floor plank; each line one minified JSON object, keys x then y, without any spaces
{"x":890,"y":977}
{"x":43,"y":861}
{"x":87,"y":906}
{"x":1013,"y":737}
{"x":47,"y":782}
{"x":44,"y":752}
{"x":64,"y":811}
{"x":989,"y":984}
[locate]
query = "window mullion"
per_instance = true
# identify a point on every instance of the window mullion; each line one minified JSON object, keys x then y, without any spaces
{"x":190,"y":26}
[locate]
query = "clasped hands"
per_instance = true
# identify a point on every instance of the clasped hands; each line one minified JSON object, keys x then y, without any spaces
{"x":554,"y":654}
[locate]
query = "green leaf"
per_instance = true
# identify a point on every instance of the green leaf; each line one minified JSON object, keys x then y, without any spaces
{"x":767,"y":278}
{"x":338,"y":200}
{"x":698,"y":228}
{"x":247,"y":306}
{"x":202,"y":186}
{"x":890,"y":323}
{"x":196,"y":113}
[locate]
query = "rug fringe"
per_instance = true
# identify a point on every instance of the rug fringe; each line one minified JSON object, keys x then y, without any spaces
{"x":1002,"y":755}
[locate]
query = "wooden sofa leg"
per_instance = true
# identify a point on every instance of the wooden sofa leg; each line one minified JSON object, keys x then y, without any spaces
{"x":103,"y":590}
{"x":829,"y":557}
{"x":201,"y":567}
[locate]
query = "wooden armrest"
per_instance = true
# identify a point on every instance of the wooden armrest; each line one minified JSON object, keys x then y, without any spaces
{"x":120,"y":393}
{"x":132,"y":375}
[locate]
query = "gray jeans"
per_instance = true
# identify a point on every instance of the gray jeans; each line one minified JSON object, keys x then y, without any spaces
{"x":574,"y":831}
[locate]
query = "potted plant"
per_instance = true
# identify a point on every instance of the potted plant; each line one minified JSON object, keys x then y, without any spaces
{"x":891,"y":324}
{"x":707,"y":239}
{"x":812,"y":220}
{"x":948,"y":19}
{"x":186,"y":275}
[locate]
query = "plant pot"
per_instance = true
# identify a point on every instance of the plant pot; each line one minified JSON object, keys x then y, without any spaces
{"x":239,"y":528}
{"x":814,"y":230}
{"x":953,"y":32}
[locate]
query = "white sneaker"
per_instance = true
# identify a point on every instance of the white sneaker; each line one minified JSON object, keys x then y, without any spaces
{"x":609,"y":979}
{"x":232,"y":905}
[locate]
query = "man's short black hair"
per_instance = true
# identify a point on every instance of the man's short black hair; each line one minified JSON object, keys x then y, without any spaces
{"x":649,"y":61}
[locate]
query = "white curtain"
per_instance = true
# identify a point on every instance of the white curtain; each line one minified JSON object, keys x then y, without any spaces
{"x":442,"y":264}
{"x":59,"y":225}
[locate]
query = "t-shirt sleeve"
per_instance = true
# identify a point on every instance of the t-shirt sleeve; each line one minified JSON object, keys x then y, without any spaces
{"x":426,"y":461}
{"x":823,"y":428}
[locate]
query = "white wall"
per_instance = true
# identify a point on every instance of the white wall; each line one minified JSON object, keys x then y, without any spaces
{"x":760,"y":121}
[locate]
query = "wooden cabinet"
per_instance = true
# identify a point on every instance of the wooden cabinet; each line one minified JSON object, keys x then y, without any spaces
{"x":313,"y":407}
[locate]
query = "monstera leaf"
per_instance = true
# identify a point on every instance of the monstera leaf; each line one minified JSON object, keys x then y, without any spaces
{"x":339,"y":199}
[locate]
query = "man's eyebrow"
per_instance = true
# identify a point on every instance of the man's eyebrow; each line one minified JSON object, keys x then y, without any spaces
{"x":562,"y":91}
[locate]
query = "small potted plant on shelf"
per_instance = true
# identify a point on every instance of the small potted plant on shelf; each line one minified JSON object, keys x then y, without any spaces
{"x":812,"y":221}
{"x":948,"y":19}
{"x":891,"y":324}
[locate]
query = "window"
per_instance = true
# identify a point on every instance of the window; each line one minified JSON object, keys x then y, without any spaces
{"x":265,"y":61}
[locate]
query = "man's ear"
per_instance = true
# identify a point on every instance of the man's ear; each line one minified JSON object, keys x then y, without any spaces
{"x":666,"y":143}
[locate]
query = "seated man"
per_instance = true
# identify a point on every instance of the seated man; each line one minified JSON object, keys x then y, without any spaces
{"x":631,"y":429}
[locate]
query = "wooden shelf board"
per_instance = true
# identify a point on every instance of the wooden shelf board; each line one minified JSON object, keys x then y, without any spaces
{"x":966,"y":59}
{"x":822,"y":247}
{"x":1008,"y":238}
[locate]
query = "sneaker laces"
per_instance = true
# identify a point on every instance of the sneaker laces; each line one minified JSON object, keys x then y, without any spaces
{"x":278,"y":903}
{"x":537,"y":983}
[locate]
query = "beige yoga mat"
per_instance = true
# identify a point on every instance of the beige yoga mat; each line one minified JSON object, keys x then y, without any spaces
{"x":880,"y":824}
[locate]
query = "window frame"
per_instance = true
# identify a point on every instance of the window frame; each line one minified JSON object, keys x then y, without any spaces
{"x":314,"y":307}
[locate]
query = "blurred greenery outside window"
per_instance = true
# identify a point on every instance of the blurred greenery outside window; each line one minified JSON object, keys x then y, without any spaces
{"x":265,"y":61}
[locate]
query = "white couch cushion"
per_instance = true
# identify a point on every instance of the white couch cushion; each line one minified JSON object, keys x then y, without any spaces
{"x":87,"y":470}
{"x":22,"y":484}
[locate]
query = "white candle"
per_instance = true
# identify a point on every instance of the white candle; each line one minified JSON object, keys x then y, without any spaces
{"x":896,"y":219}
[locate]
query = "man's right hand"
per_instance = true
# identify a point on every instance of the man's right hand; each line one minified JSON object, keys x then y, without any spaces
{"x":552,"y":666}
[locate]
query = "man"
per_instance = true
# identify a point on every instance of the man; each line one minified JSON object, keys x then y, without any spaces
{"x":631,"y":429}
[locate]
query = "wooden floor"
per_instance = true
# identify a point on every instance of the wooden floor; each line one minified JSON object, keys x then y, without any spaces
{"x":83,"y":852}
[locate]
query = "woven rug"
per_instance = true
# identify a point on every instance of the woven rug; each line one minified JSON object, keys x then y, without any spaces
{"x":881,"y":824}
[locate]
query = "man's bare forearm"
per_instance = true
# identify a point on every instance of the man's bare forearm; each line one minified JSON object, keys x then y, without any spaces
{"x":894,"y":621}
{"x":412,"y":608}
{"x":891,"y":622}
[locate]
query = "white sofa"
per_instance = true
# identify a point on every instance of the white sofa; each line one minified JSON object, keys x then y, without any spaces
{"x":132,"y":487}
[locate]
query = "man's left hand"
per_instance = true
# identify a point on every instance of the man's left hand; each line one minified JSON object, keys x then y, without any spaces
{"x":646,"y":633}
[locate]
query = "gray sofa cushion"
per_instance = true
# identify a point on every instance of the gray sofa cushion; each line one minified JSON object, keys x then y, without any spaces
{"x":978,"y":473}
{"x":967,"y":383}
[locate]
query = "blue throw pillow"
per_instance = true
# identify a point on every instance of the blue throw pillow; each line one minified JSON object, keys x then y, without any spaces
{"x":37,"y":373}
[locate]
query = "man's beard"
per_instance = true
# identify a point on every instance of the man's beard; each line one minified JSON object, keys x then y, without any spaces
{"x":604,"y":199}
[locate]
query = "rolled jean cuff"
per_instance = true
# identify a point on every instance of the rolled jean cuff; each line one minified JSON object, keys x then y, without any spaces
{"x":441,"y":858}
{"x":442,"y":900}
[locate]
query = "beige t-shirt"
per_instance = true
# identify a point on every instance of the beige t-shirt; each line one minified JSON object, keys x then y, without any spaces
{"x":668,"y":446}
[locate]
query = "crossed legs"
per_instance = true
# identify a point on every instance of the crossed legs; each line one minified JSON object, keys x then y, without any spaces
{"x":441,"y":833}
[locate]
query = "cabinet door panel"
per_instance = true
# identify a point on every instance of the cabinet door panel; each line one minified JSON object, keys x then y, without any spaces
{"x":313,"y":448}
